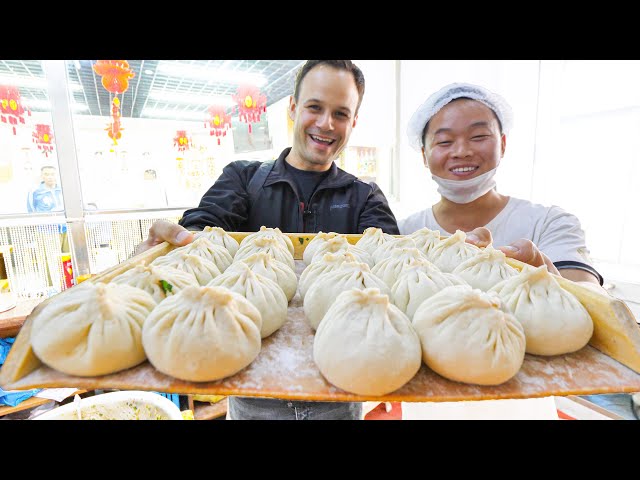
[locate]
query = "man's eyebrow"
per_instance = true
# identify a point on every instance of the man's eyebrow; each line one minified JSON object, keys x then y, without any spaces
{"x":315,"y":100}
{"x":481,"y":123}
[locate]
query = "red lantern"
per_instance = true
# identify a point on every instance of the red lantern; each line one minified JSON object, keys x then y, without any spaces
{"x":43,"y":137}
{"x":251,"y":104}
{"x":115,"y":74}
{"x":182,"y":141}
{"x":11,"y":108}
{"x":115,"y":78}
{"x":218,"y":122}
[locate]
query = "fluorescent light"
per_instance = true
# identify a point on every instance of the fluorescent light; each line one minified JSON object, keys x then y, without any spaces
{"x":174,"y":114}
{"x":174,"y":97}
{"x":32,"y":82}
{"x":148,"y":72}
{"x":46,"y":105}
{"x":183,"y":70}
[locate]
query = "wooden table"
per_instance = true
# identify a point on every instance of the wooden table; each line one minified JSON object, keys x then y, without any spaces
{"x":12,"y":320}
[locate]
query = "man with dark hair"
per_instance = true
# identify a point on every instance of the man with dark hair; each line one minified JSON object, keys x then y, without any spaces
{"x":47,"y":197}
{"x":298,"y":192}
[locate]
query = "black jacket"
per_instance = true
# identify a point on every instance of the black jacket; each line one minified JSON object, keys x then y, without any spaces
{"x":341,"y":202}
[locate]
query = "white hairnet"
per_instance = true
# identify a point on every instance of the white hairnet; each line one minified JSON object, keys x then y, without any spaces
{"x":439,"y":99}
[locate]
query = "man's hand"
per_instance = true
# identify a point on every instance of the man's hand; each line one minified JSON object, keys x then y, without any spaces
{"x":480,"y":237}
{"x":523,"y":249}
{"x":527,"y":252}
{"x":164,"y":231}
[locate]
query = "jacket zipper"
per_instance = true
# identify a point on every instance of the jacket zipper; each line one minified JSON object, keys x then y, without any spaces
{"x":304,"y":213}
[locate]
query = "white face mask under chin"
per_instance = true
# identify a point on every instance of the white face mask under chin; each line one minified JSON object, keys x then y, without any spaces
{"x":466,"y":191}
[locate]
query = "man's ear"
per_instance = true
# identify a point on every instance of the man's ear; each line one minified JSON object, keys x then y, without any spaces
{"x":292,"y":108}
{"x":503,"y":145}
{"x":355,"y":120}
{"x":424,"y":158}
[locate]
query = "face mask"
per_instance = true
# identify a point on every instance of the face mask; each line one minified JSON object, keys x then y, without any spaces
{"x":466,"y":191}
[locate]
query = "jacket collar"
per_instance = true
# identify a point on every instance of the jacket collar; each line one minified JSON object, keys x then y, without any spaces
{"x":336,"y":178}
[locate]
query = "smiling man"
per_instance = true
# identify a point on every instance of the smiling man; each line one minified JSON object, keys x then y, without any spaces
{"x":461,"y":132}
{"x":302,"y":191}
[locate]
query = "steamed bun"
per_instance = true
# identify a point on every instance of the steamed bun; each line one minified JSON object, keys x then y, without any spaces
{"x":202,"y":334}
{"x":485,"y":269}
{"x":452,"y":251}
{"x":262,"y":292}
{"x":203,"y":247}
{"x":316,"y":242}
{"x":384,"y":250}
{"x":469,"y":336}
{"x":266,"y":244}
{"x":372,"y":238}
{"x":264,"y":264}
{"x":426,"y":239}
{"x":390,"y":268}
{"x":554,"y":320}
{"x":365,"y":345}
{"x":94,"y":329}
{"x":202,"y":269}
{"x":341,"y":244}
{"x":328,"y":263}
{"x":326,"y":289}
{"x":219,"y":237}
{"x":160,"y":281}
{"x":276,"y":233}
{"x":418,"y":282}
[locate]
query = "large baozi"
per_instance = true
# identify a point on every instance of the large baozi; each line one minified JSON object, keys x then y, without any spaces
{"x":372,"y":238}
{"x":365,"y":345}
{"x":202,"y":334}
{"x":390,"y":268}
{"x":426,"y":239}
{"x":202,"y":269}
{"x":326,"y":289}
{"x":418,"y":282}
{"x":203,"y":247}
{"x":315,"y":243}
{"x":94,"y":329}
{"x":265,"y":294}
{"x":160,"y":281}
{"x":267,"y":232}
{"x":341,"y":244}
{"x":384,"y":250}
{"x":218,"y":236}
{"x":554,"y":320}
{"x":269,"y":245}
{"x":264,"y":264}
{"x":328,"y":263}
{"x":452,"y":251}
{"x":485,"y":269}
{"x":469,"y":336}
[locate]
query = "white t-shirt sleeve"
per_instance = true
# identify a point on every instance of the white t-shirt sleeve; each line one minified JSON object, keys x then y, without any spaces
{"x":562,"y":239}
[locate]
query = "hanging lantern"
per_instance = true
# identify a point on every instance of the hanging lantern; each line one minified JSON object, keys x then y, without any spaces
{"x":11,"y":108}
{"x":251,"y":104}
{"x":43,"y":137}
{"x":114,"y":130}
{"x":181,"y":141}
{"x":218,"y":122}
{"x":115,"y":78}
{"x":115,"y":74}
